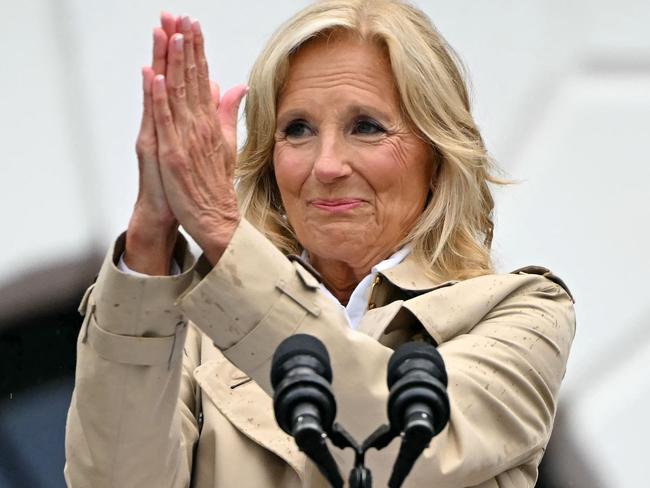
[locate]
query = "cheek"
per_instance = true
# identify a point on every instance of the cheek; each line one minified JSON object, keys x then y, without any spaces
{"x":291,"y":170}
{"x":401,"y":168}
{"x":401,"y":179}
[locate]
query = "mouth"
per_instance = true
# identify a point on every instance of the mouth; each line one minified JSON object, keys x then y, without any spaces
{"x":337,"y":205}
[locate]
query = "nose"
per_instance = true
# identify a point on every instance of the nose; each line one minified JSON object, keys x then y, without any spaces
{"x":331,"y":163}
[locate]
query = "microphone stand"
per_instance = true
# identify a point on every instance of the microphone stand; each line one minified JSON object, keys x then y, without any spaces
{"x":360,"y":475}
{"x":414,"y":441}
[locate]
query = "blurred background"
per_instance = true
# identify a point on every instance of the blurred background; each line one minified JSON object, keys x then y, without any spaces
{"x":561,"y":91}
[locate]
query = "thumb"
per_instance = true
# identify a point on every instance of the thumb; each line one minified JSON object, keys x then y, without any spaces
{"x":227,"y":113}
{"x":215,"y":93}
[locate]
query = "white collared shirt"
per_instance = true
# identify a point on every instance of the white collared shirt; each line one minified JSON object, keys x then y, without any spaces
{"x":358,"y":304}
{"x":174,"y":268}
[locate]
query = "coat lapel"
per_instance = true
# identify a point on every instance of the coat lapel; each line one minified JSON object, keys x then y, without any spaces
{"x":248,"y":408}
{"x":376,"y":320}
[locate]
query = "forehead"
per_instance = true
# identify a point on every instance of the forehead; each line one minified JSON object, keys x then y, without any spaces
{"x":340,"y":60}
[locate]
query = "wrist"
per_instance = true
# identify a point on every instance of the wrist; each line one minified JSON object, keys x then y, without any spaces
{"x":215,"y":243}
{"x":150,"y":251}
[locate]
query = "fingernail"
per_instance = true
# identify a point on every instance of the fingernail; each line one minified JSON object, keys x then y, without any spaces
{"x":159,"y":81}
{"x":187,"y":23}
{"x":178,"y":42}
{"x":196,"y":27}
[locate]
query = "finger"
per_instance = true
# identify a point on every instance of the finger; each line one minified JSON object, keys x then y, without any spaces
{"x":159,"y":61}
{"x":163,"y":119}
{"x":147,"y":125}
{"x":145,"y":146}
{"x":202,"y":74}
{"x":168,"y":23}
{"x":227,"y":114}
{"x":191,"y":84}
{"x":175,"y":78}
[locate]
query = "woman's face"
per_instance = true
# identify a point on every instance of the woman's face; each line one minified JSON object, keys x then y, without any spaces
{"x":353,"y":177}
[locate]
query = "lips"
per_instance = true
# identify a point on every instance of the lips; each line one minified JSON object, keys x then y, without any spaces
{"x":336,"y":205}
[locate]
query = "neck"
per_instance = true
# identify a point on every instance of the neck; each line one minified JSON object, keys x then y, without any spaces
{"x":339,"y":277}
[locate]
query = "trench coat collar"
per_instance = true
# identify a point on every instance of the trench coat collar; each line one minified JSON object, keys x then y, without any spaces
{"x":409,"y":276}
{"x":391,"y":289}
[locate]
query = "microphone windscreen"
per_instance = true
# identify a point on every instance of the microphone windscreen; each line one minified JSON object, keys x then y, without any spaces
{"x":296,"y":345}
{"x":415,"y":350}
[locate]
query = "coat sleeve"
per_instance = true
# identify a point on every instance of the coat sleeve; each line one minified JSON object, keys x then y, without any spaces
{"x":505,"y":369}
{"x":131,"y":419}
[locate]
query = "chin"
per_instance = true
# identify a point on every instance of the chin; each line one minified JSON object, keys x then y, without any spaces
{"x":347,"y":246}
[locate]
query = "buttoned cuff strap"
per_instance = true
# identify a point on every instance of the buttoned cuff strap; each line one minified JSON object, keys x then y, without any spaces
{"x":139,"y":351}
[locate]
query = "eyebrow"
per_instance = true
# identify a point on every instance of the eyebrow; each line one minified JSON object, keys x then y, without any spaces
{"x":353,"y":110}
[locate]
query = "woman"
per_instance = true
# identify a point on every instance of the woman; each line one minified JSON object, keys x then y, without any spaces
{"x":362,"y":156}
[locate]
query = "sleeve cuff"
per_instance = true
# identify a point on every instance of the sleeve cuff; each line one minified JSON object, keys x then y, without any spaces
{"x":174,"y":270}
{"x":126,"y":304}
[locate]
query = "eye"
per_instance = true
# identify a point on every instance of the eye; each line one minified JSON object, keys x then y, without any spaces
{"x":297,"y":129}
{"x":368,"y":127}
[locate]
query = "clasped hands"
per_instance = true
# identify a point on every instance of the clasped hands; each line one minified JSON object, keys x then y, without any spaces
{"x":187,"y":149}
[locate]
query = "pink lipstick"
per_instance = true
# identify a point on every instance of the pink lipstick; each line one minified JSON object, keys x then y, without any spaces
{"x":337,"y":205}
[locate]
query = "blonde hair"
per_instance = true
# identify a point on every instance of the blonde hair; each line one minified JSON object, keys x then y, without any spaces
{"x":452,"y":237}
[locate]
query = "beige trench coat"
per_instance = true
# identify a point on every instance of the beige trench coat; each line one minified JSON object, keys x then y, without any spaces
{"x":156,"y":354}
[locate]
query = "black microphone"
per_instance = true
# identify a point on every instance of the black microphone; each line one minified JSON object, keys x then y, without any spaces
{"x":418,"y":406}
{"x":303,"y":401}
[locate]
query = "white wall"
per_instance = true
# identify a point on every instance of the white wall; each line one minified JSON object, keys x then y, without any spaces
{"x":562,"y":93}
